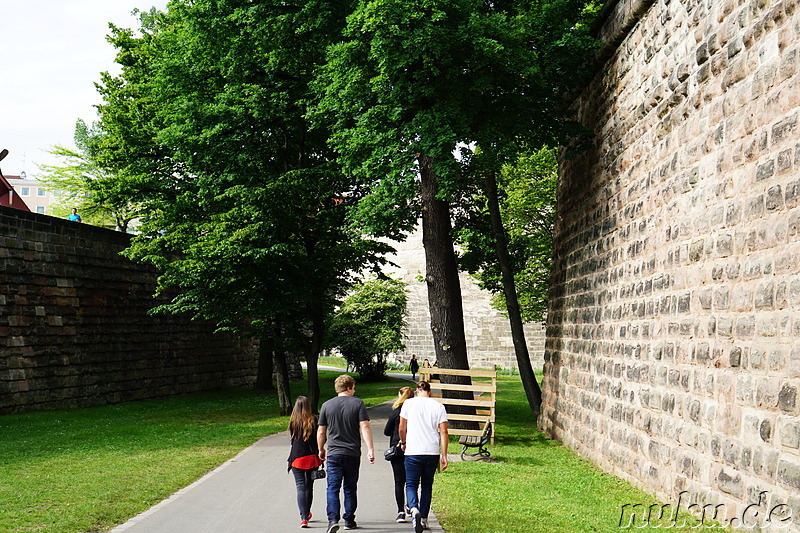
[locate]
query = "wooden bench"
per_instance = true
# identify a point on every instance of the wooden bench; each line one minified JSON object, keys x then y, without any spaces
{"x":480,"y":442}
{"x":483,"y":389}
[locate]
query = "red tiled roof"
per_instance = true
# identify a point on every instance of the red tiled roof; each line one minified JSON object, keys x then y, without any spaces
{"x":11,"y":200}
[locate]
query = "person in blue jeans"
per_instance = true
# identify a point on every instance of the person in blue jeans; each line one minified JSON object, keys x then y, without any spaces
{"x":343,"y":422}
{"x":424,"y":439}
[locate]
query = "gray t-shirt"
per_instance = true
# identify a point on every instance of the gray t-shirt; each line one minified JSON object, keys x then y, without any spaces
{"x":342,"y":416}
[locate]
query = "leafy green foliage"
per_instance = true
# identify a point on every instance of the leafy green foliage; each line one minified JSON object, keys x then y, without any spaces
{"x":369,"y":325}
{"x":528,"y":190}
{"x":243,"y":194}
{"x":84,"y":183}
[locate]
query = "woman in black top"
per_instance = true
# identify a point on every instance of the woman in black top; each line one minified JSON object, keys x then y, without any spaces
{"x":398,"y":465}
{"x":304,"y":456}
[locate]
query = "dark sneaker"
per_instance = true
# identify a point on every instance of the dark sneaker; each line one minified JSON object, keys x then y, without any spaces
{"x":350,"y":525}
{"x":424,"y":523}
{"x":401,"y":517}
{"x":333,"y":527}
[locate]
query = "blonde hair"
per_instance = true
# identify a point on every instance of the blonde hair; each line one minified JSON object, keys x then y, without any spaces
{"x":402,"y":395}
{"x":302,"y":423}
{"x":343,"y":383}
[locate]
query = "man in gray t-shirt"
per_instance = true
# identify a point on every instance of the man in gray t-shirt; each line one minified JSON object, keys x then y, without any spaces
{"x":343,"y":422}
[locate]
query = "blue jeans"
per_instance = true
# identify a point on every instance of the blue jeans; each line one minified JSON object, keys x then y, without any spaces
{"x":342,"y":474}
{"x":420,"y":470}
{"x":304,"y":480}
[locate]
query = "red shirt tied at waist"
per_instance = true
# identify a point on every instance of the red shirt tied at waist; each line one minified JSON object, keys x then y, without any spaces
{"x":307,"y":462}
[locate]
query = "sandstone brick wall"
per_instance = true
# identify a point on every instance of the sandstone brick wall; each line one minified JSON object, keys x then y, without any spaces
{"x":74,"y":328}
{"x":673,"y":339}
{"x":487,"y":330}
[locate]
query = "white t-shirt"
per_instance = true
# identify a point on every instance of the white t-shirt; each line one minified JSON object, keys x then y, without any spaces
{"x":423,"y":416}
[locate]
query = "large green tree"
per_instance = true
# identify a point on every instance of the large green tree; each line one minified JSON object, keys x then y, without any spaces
{"x":245,"y":202}
{"x":413,"y":86}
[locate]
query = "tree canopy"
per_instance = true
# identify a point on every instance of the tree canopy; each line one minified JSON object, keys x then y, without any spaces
{"x":270,"y":143}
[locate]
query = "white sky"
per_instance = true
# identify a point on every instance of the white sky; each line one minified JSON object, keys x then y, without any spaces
{"x":51,"y":54}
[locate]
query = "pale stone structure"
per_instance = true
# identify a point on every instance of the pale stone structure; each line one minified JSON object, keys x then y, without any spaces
{"x":673,"y":342}
{"x":487,"y":330}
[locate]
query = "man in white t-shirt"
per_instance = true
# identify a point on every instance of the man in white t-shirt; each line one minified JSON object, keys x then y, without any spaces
{"x":424,"y":439}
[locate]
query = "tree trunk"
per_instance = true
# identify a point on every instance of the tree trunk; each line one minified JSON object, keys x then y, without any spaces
{"x":532,"y":389}
{"x":441,"y":274}
{"x":312,"y":359}
{"x":282,"y":374}
{"x":266,"y":349}
{"x":444,"y":286}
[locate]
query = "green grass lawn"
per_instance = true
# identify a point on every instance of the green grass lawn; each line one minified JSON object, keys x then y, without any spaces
{"x":536,"y":485}
{"x":87,"y":470}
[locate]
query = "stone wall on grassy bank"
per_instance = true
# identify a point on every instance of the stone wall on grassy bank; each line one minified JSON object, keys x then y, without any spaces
{"x":75,"y":329}
{"x":673,"y":339}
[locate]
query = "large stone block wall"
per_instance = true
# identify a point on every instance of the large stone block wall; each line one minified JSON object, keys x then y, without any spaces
{"x":75,"y":329}
{"x":487,"y":330}
{"x":673,"y":340}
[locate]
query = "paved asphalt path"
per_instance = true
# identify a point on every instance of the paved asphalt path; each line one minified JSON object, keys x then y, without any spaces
{"x":253,"y":493}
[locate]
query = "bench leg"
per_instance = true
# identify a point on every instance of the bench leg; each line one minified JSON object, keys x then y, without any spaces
{"x":482,"y":452}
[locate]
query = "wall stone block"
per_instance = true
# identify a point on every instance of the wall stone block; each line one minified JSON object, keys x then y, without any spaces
{"x":74,"y":328}
{"x":677,"y":241}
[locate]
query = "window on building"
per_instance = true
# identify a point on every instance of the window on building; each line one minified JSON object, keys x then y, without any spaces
{"x":41,"y":192}
{"x":24,"y":191}
{"x":40,"y":209}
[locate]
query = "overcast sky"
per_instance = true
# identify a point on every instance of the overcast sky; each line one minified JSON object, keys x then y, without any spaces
{"x":51,"y":54}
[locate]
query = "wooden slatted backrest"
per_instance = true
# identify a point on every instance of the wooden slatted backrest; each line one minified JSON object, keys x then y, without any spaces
{"x":483,"y":388}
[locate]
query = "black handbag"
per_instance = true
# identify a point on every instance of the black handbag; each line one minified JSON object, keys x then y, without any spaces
{"x":319,"y":473}
{"x":392,"y":452}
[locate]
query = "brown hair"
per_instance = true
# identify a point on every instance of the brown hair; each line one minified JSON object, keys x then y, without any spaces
{"x":303,"y":422}
{"x":402,"y":395}
{"x":424,"y":385}
{"x":343,"y":383}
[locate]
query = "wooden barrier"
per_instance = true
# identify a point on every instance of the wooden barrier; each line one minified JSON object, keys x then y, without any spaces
{"x":483,"y":388}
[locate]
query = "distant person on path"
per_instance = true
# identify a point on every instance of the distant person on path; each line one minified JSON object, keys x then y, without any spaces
{"x":413,"y":366}
{"x":74,"y":216}
{"x":304,"y":460}
{"x":424,"y":437}
{"x":341,"y":420}
{"x":392,"y":430}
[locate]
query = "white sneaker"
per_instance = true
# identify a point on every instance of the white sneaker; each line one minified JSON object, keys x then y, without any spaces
{"x":424,"y":522}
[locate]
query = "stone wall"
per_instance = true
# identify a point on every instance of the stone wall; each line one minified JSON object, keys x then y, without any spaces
{"x":487,"y":330}
{"x":673,"y":338}
{"x":74,"y":328}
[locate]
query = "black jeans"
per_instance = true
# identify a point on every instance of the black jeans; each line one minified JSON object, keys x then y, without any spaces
{"x":304,"y":480}
{"x":399,"y":471}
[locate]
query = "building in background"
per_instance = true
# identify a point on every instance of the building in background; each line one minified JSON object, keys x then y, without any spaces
{"x":32,"y":192}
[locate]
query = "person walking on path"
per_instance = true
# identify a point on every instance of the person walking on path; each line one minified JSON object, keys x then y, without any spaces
{"x":424,"y":439}
{"x":74,"y":216}
{"x":392,"y":430}
{"x":413,"y":366}
{"x":341,"y":419}
{"x":304,"y":461}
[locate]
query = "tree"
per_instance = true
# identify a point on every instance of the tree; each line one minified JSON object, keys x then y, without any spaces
{"x":512,"y":259}
{"x":413,"y":86}
{"x":82,"y":182}
{"x":369,"y":325}
{"x":245,"y":202}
